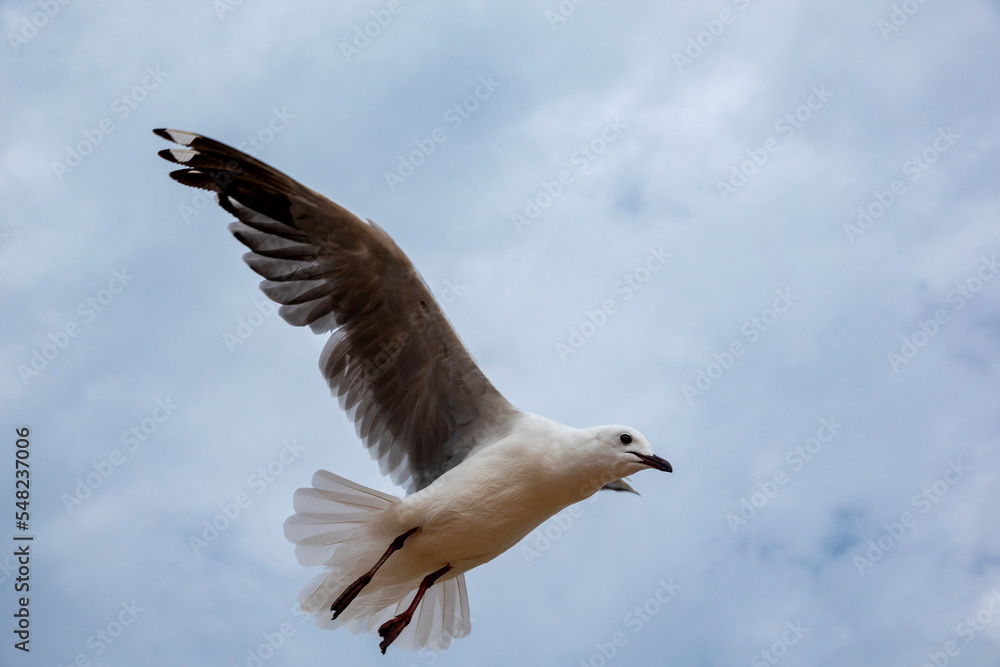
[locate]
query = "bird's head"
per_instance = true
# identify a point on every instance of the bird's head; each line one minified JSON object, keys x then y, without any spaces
{"x":615,"y":452}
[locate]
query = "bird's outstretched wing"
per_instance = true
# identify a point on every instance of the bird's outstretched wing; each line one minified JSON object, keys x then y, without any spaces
{"x":418,"y":400}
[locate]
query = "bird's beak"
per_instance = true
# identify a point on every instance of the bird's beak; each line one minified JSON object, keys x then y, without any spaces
{"x":655,"y":462}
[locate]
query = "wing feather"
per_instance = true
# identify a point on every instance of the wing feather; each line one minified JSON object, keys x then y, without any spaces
{"x":419,"y":401}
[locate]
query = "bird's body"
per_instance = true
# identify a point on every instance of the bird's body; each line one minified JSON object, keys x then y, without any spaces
{"x":468,"y":516}
{"x":476,"y":511}
{"x":481,"y":473}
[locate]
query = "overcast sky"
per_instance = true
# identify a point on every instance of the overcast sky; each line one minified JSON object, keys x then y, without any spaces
{"x":763,"y":234}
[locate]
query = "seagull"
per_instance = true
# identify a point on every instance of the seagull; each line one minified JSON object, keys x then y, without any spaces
{"x":479,"y":473}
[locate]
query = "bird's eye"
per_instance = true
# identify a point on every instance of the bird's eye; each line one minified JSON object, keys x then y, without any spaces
{"x":624,"y":438}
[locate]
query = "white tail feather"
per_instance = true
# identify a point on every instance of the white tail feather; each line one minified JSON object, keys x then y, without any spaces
{"x":335,"y":526}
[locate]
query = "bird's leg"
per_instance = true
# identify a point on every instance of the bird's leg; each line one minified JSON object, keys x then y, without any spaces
{"x":340,"y":604}
{"x":391,"y":628}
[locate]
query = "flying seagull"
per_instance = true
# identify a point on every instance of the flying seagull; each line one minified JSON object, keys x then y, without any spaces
{"x":479,"y":473}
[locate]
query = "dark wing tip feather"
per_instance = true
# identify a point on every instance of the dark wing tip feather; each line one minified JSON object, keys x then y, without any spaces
{"x":177,"y":136}
{"x":195,"y":178}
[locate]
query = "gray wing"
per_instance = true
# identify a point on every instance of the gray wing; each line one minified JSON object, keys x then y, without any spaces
{"x":619,"y":485}
{"x":419,"y":402}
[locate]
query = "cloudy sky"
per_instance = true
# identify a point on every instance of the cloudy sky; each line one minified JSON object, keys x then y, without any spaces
{"x":764,"y":234}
